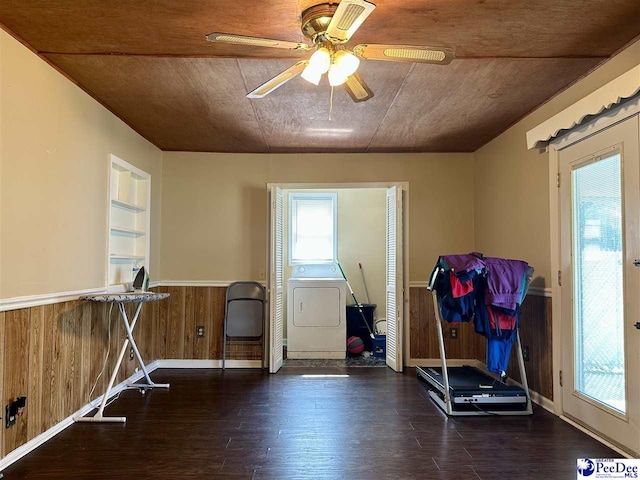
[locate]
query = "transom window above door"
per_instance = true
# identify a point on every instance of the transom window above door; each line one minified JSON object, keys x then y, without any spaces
{"x":312,"y":228}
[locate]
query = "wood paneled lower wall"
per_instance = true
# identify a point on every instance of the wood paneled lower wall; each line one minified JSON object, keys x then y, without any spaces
{"x":54,"y":353}
{"x":535,"y":333}
{"x":185,"y":309}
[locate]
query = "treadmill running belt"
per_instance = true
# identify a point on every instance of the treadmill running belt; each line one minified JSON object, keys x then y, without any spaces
{"x":469,"y":381}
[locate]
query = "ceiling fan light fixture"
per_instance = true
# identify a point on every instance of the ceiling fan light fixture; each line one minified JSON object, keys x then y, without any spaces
{"x":336,"y":77}
{"x":320,"y":60}
{"x":319,"y":64}
{"x":311,"y":75}
{"x":344,"y":64}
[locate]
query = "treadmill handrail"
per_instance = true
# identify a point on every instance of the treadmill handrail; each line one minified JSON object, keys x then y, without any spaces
{"x":443,"y":355}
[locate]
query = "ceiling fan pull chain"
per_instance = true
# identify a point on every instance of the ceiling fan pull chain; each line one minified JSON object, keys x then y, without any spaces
{"x":330,"y":103}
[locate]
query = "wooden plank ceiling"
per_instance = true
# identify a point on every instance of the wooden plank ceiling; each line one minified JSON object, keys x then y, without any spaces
{"x":148,"y":62}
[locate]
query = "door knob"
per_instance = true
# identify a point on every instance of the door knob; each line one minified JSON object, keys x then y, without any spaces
{"x":636,"y":263}
{"x":637,"y":325}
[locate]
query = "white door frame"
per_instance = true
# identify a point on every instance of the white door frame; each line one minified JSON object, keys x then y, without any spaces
{"x":603,"y":121}
{"x":404,"y":186}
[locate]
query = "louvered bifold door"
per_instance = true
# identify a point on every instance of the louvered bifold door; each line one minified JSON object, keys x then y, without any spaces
{"x":394,"y":281}
{"x":277,"y":279}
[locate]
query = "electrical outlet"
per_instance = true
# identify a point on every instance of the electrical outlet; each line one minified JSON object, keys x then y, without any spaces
{"x":131,"y":353}
{"x":200,"y":331}
{"x":13,"y":410}
{"x":453,"y":333}
{"x":525,"y":354}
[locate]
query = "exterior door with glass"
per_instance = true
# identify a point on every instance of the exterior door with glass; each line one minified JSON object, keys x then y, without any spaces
{"x":600,"y":241}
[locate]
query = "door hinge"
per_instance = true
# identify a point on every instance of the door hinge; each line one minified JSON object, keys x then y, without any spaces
{"x":558,"y":179}
{"x":561,"y":378}
{"x":560,"y":277}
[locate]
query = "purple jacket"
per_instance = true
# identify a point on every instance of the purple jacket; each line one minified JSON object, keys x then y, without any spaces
{"x":465,"y":262}
{"x":504,"y":282}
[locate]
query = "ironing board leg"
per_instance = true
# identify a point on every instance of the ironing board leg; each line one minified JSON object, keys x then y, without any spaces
{"x":99,"y":416}
{"x":134,"y":346}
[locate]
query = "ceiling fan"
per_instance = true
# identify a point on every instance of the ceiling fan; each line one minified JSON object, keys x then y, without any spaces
{"x":329,"y":27}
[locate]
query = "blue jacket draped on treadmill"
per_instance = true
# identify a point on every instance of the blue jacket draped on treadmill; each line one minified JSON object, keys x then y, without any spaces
{"x":487,"y":291}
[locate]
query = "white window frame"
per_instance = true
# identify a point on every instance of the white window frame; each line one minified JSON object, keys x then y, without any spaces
{"x":333,"y":197}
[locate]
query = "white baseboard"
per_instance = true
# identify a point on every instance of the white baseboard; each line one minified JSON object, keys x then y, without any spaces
{"x":543,"y":401}
{"x":208,"y":363}
{"x":540,"y":292}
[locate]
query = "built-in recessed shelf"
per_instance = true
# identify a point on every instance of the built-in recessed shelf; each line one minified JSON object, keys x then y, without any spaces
{"x":116,"y":256}
{"x":127,"y":205}
{"x":129,"y":222}
{"x":127,"y":231}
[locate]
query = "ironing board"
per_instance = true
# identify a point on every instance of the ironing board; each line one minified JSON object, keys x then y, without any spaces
{"x":121,"y":299}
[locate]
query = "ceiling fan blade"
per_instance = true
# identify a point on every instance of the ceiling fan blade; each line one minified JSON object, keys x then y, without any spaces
{"x":279,"y":80}
{"x":348,"y":17}
{"x":357,"y":89}
{"x":218,"y":37}
{"x":405,"y":53}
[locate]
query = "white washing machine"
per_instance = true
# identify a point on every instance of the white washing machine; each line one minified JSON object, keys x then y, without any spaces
{"x":316,"y":318}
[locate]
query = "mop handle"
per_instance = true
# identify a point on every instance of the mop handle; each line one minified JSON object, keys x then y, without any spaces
{"x":353,"y":295}
{"x":364,"y":283}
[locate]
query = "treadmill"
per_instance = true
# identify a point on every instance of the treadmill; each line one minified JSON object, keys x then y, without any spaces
{"x":468,"y":390}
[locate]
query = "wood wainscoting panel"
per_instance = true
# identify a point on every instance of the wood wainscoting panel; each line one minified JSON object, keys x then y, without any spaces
{"x":2,"y":369}
{"x":144,"y":333}
{"x":16,"y":367}
{"x":189,"y":332}
{"x":219,"y":297}
{"x":98,"y":343}
{"x":163,"y":313}
{"x":54,"y":354}
{"x":176,"y":325}
{"x":202,"y":308}
{"x":423,"y":342}
{"x":35,"y":425}
{"x":176,"y":322}
{"x":536,"y":336}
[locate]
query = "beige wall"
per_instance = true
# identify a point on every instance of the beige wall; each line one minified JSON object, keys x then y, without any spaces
{"x":54,"y":167}
{"x":214,"y":216}
{"x":512,"y":183}
{"x":362,"y":237}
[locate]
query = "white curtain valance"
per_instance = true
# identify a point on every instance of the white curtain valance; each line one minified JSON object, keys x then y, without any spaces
{"x":611,"y":94}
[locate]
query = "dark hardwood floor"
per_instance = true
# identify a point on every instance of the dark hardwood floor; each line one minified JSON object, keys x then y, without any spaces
{"x":374,"y":424}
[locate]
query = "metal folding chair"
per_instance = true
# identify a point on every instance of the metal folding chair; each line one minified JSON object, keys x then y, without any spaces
{"x":244,"y":314}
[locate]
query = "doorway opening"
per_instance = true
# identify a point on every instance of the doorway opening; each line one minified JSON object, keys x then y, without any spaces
{"x":319,"y":235}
